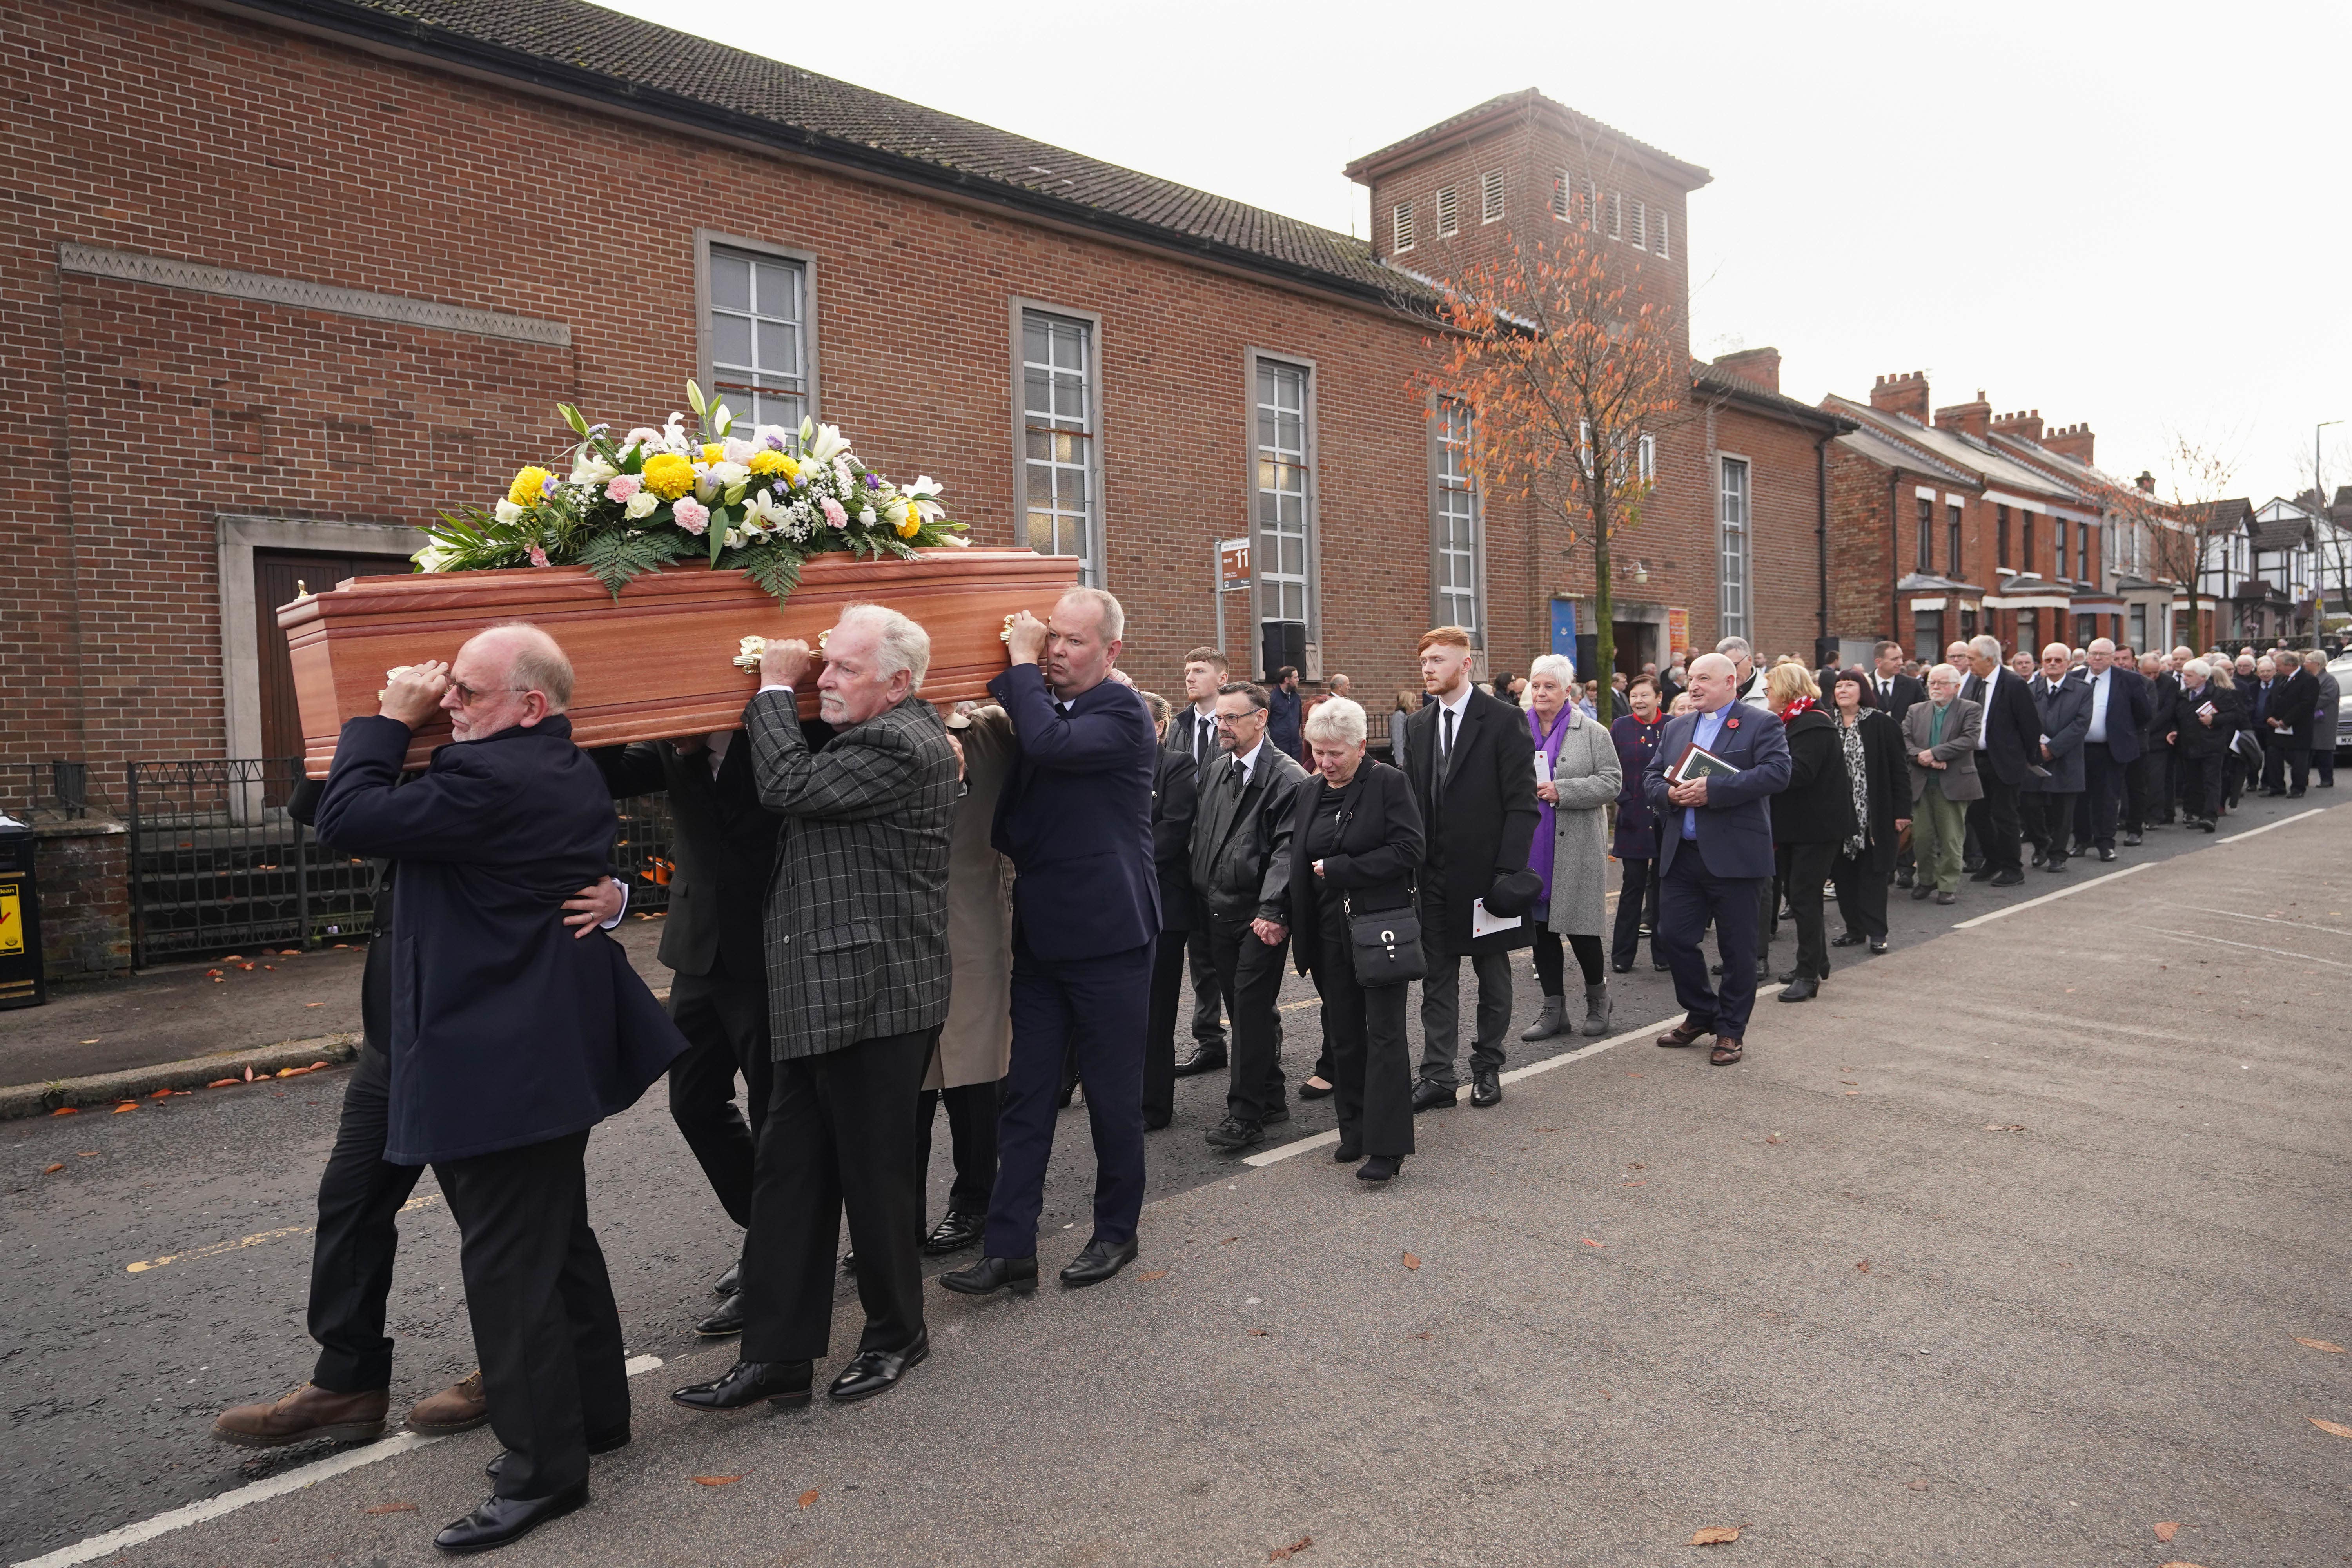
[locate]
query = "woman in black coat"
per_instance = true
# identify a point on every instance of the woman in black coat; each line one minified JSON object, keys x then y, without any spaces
{"x":1879,"y":778}
{"x":1810,"y":817}
{"x":1355,"y":844}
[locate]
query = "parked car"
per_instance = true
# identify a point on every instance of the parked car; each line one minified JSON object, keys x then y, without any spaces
{"x":2340,"y":666}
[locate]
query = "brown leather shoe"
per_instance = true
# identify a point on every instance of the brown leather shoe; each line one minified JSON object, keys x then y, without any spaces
{"x":460,"y":1407}
{"x":304,"y":1415}
{"x":1683,"y":1034}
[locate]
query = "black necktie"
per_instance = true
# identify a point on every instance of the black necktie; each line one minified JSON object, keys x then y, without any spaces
{"x":1200,"y":738}
{"x":1445,"y":757}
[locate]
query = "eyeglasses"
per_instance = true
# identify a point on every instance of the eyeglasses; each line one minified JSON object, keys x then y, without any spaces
{"x":468,"y":696}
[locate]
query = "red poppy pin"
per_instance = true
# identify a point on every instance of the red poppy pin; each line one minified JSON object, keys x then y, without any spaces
{"x":1731,"y":723}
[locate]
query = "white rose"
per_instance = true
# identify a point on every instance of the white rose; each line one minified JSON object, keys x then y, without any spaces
{"x":641,"y":505}
{"x":507,"y":512}
{"x":865,"y":515}
{"x":730,"y":472}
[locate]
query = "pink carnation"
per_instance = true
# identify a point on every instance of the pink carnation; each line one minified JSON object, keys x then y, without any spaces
{"x":689,"y":515}
{"x":621,"y":487}
{"x":833,"y":514}
{"x":538,"y":556}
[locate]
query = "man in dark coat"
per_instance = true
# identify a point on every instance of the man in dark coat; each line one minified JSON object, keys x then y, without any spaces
{"x":859,"y":971}
{"x":2120,"y":710}
{"x":2294,"y":698}
{"x":1473,"y":766}
{"x":510,"y":1039}
{"x":1076,"y":821}
{"x":2047,"y":800}
{"x":1241,"y":877}
{"x":2148,"y":795}
{"x":1892,"y":691}
{"x":360,"y":1195}
{"x":722,"y":853}
{"x":1284,"y":712}
{"x":1175,"y":796}
{"x":1193,"y":733}
{"x":1715,"y":852}
{"x":2009,"y":742}
{"x":2203,"y":722}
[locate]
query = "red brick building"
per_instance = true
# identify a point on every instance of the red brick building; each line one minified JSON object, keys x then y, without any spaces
{"x":285,"y":278}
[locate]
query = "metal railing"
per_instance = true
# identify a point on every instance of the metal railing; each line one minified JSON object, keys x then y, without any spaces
{"x":55,"y":791}
{"x":214,"y":863}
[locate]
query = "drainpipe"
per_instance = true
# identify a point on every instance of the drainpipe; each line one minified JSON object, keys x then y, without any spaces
{"x":1894,"y":558}
{"x":1821,"y":540}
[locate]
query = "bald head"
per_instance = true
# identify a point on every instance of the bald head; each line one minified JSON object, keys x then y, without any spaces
{"x":1713,"y":680}
{"x":510,"y":676}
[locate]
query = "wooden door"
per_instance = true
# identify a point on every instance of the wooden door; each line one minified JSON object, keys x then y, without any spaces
{"x":280,"y":577}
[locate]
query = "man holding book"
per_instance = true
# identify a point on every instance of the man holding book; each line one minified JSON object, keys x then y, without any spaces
{"x":1711,"y":782}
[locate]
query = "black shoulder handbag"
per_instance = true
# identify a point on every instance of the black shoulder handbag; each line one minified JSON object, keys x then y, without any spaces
{"x":1385,"y":944}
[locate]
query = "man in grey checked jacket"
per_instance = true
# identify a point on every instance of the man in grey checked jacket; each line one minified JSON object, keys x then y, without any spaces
{"x":857,"y":988}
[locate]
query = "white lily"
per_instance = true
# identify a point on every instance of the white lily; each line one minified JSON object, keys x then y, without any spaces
{"x":432,"y":558}
{"x":823,"y":443}
{"x":764,"y":514}
{"x":507,"y":512}
{"x":729,"y":471}
{"x":589,"y":467}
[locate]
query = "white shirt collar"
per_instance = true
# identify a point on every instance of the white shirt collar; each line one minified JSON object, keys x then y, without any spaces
{"x":1458,"y":703}
{"x":1247,"y":762}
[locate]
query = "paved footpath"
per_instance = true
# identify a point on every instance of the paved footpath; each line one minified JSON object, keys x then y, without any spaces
{"x":2000,"y":1252}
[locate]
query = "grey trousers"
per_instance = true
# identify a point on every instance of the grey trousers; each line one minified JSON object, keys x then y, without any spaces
{"x":1441,"y":1011}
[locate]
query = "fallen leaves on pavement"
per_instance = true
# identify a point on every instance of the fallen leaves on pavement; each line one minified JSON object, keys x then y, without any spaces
{"x":53,"y":1170}
{"x":1283,"y":1553}
{"x":2168,"y":1530}
{"x":126,"y":1105}
{"x":1151,"y":1274}
{"x":1261,"y":1334}
{"x":808,"y":1497}
{"x":391,"y":1507}
{"x":1590,"y":1242}
{"x":225,"y":1083}
{"x":2329,"y":1426}
{"x":722,"y":1482}
{"x":2004,"y":1126}
{"x":1716,"y":1535}
{"x":67,"y":1110}
{"x":2320,"y":1345}
{"x":1863,"y":1265}
{"x":1410,"y":1261}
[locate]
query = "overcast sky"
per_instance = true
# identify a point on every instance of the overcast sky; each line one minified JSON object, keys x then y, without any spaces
{"x":2129,"y":216}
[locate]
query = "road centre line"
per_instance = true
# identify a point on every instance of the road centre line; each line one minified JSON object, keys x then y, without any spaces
{"x":2251,"y":947}
{"x":228,"y":1502}
{"x":1323,"y":1140}
{"x":2059,"y":893}
{"x":423,"y":1201}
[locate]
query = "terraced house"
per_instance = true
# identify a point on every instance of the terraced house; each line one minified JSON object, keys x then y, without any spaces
{"x":286,"y":277}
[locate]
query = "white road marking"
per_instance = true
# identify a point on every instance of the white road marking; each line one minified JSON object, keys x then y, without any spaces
{"x":2268,"y":920}
{"x":228,"y":1502}
{"x":2266,"y":826}
{"x":1324,"y":1140}
{"x":2250,"y":947}
{"x":2061,"y":893}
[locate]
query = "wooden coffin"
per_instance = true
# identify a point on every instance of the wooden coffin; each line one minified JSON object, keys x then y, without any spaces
{"x":656,"y":662}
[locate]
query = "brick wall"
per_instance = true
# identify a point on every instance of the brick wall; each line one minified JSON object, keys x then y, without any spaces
{"x":85,"y":897}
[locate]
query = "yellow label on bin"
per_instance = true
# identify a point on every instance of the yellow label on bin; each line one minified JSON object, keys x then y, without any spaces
{"x":12,"y":919}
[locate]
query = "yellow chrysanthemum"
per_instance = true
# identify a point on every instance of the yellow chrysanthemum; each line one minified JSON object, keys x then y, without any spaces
{"x":668,"y":476}
{"x":910,"y":523}
{"x":712,"y":452}
{"x":771,"y":461}
{"x":525,"y":490}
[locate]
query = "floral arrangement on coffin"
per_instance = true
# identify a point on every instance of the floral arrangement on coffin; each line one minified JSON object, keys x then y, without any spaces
{"x":653,"y":497}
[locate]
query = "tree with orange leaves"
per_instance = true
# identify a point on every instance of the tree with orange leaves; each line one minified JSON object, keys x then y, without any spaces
{"x":1567,"y":369}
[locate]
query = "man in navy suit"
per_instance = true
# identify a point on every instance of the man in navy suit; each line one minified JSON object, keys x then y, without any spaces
{"x":2121,"y":703}
{"x":1714,"y":853}
{"x":510,"y":1039}
{"x":1076,"y":821}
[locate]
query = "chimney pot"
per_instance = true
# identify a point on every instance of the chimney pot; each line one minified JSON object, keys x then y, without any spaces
{"x":1904,"y":391}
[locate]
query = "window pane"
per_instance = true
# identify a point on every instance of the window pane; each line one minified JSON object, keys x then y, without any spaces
{"x":780,"y":291}
{"x":730,"y":340}
{"x":731,"y":282}
{"x":1053,"y":396}
{"x":755,"y":337}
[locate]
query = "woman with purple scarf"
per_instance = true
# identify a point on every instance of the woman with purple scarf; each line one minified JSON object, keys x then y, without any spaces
{"x":1577,"y":775}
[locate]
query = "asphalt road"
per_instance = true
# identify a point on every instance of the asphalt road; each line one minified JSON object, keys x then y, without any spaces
{"x":1641,"y":1308}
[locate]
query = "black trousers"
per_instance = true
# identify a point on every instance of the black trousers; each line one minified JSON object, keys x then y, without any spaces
{"x":1249,"y":972}
{"x":2295,"y":766}
{"x":1551,"y":964}
{"x":2200,"y":784}
{"x":2147,"y":790}
{"x":1206,"y":1028}
{"x":1169,"y":953}
{"x":1993,"y":818}
{"x":838,"y":1136}
{"x":2049,"y":818}
{"x":1803,"y":869}
{"x":541,"y":1304}
{"x":971,"y":1144}
{"x":725,"y":1022}
{"x":1861,"y":885}
{"x":1372,"y":1063}
{"x":1099,"y":1005}
{"x":2103,"y":789}
{"x":1637,"y":901}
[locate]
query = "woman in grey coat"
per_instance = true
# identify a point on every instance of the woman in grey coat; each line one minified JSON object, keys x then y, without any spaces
{"x":2323,"y":718}
{"x":1577,"y":775}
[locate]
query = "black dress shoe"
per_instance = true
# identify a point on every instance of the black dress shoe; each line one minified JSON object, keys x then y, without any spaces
{"x":1153,"y":1120}
{"x":1427,"y":1096}
{"x":779,"y":1383}
{"x":1804,"y":988}
{"x":2131,"y":840}
{"x":1380,"y":1168}
{"x":2106,"y":855}
{"x":1278,"y":1113}
{"x":1846,"y":939}
{"x":871,"y":1373}
{"x":1903,"y":879}
{"x":1877,"y":946}
{"x":604,"y":1444}
{"x":1617,"y":968}
{"x":1203,"y":1059}
{"x":1232,"y":1132}
{"x":2040,"y":860}
{"x":726,"y":1319}
{"x":1485,"y":1087}
{"x":1921,"y":889}
{"x":850,"y":1261}
{"x":1943,"y":898}
{"x":990,"y":1275}
{"x":2008,"y":879}
{"x":1098,"y":1262}
{"x":2055,"y":863}
{"x":1347,"y":1153}
{"x":1660,"y":964}
{"x":954,"y":1232}
{"x":730,"y":1282}
{"x":1309,"y":1091}
{"x":502,"y":1519}
{"x":1783,"y":977}
{"x":1982,"y":874}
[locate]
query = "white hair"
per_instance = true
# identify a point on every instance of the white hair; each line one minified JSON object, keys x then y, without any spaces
{"x":1946,"y":672}
{"x":537,"y":663}
{"x":1114,"y":614}
{"x":1555,"y":665}
{"x":1986,"y":648}
{"x":900,"y":642}
{"x":2198,"y":667}
{"x":1339,"y":719}
{"x":1735,"y":648}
